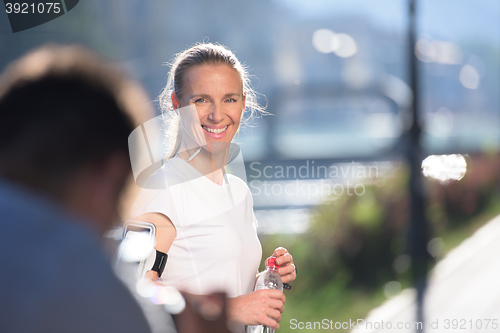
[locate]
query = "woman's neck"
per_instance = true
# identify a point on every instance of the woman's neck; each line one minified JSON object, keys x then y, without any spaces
{"x":211,"y":165}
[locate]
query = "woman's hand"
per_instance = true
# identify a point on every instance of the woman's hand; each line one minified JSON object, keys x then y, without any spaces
{"x":260,"y":307}
{"x":153,"y":276}
{"x":287,"y":267}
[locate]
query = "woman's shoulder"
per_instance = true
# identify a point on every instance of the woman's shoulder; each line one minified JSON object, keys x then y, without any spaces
{"x":169,"y":174}
{"x":158,"y":193}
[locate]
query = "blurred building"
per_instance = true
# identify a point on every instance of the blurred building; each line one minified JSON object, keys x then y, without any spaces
{"x":334,"y":74}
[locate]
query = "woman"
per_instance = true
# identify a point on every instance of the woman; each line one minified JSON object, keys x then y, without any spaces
{"x":203,"y":216}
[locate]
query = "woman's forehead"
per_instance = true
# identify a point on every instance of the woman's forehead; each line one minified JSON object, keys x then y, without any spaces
{"x":213,"y":77}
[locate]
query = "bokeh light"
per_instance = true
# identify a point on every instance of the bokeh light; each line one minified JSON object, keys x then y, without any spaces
{"x":345,"y":45}
{"x":327,"y":41}
{"x":145,"y":287}
{"x":322,"y":40}
{"x":391,"y":289}
{"x":444,"y":167}
{"x":440,"y":123}
{"x":429,"y":50}
{"x":136,"y":246}
{"x":170,"y":297}
{"x":435,"y":247}
{"x":425,"y":51}
{"x":469,"y":77}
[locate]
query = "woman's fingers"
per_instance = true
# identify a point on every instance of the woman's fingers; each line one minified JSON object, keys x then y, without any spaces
{"x":269,"y":322}
{"x":280,"y":251}
{"x":284,"y":259}
{"x":274,"y":308}
{"x":277,"y":294}
{"x":274,"y":299}
{"x":288,"y":273}
{"x":274,"y":316}
{"x":287,"y":267}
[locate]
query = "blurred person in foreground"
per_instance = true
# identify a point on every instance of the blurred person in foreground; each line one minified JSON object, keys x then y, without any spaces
{"x":65,"y":120}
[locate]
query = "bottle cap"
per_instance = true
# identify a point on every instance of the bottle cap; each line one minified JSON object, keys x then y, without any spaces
{"x":271,"y":262}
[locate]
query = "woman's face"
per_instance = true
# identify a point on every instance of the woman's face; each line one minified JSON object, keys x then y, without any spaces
{"x":217,"y":93}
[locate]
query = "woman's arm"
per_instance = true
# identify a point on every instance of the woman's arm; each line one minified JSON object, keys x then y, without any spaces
{"x":165,"y":235}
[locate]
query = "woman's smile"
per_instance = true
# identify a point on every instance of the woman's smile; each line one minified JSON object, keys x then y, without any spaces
{"x":216,"y":132}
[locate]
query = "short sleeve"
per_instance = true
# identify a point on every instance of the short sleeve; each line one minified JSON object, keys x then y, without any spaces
{"x":157,"y":199}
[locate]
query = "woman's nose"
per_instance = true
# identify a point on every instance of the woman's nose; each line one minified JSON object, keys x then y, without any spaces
{"x":216,"y":114}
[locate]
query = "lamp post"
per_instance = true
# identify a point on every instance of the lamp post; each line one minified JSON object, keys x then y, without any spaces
{"x":418,"y":230}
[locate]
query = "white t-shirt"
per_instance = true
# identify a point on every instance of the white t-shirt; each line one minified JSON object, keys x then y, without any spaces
{"x":216,"y":247}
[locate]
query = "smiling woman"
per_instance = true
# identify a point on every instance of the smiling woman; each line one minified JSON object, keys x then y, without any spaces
{"x":217,"y":93}
{"x":199,"y":63}
{"x":204,"y":217}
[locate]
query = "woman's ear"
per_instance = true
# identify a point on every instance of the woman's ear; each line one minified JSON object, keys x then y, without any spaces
{"x":175,"y":102}
{"x":244,"y":100}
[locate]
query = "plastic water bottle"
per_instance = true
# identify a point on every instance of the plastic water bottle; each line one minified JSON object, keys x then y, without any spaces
{"x":269,"y":279}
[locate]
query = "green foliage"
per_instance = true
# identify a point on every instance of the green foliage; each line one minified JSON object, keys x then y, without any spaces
{"x":356,"y":238}
{"x":348,"y":253}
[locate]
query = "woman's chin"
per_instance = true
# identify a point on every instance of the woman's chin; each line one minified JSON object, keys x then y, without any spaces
{"x":218,"y":147}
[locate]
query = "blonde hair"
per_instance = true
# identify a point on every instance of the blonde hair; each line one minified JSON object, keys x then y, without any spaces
{"x":198,"y":55}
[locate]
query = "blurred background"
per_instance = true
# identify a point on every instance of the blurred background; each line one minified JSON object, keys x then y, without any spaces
{"x":327,"y":168}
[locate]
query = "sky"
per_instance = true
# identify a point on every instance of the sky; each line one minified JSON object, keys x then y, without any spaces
{"x":444,"y":19}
